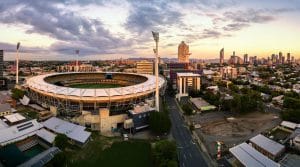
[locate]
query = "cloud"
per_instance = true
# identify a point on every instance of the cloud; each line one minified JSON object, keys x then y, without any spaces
{"x":145,"y":17}
{"x":75,"y":31}
{"x":237,"y":20}
{"x":235,"y":26}
{"x":207,"y":33}
{"x":249,"y":16}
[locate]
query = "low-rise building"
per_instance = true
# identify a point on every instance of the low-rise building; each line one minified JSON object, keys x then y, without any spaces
{"x":140,"y":116}
{"x":228,"y":72}
{"x":5,"y":109}
{"x":19,"y":132}
{"x":248,"y":156}
{"x":75,"y":133}
{"x":144,"y":67}
{"x":268,"y":147}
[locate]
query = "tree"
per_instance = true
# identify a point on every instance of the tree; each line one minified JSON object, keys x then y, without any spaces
{"x":61,"y":141}
{"x":159,"y":123}
{"x":233,"y":88}
{"x":292,"y":115}
{"x":291,"y":103}
{"x":17,"y":93}
{"x":195,"y":93}
{"x":165,"y":154}
{"x":187,"y":109}
{"x":59,"y":160}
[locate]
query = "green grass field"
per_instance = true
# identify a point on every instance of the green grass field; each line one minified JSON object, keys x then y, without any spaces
{"x":95,"y":86}
{"x":111,"y":152}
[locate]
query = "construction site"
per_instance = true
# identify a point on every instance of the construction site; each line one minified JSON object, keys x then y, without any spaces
{"x":231,"y":130}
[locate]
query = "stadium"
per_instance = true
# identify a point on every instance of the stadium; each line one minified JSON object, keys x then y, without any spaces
{"x":71,"y":93}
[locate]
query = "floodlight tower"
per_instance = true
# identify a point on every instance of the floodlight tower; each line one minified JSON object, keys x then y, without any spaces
{"x":77,"y":65}
{"x":17,"y":64}
{"x":156,"y":39}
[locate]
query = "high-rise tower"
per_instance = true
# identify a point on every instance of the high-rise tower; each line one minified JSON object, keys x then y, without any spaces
{"x":183,"y":53}
{"x":288,"y":57}
{"x":280,"y":58}
{"x":222,"y":56}
{"x":1,"y":63}
{"x":245,"y":58}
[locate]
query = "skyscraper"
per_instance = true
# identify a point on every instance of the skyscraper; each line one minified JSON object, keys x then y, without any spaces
{"x":280,"y":58}
{"x":183,"y":53}
{"x":288,"y":58}
{"x":1,"y":63}
{"x":222,"y":56}
{"x":245,"y":58}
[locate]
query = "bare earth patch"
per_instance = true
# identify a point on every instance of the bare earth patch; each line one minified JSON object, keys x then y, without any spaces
{"x":232,"y":130}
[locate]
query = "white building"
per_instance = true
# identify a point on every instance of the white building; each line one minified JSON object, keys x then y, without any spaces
{"x":186,"y":82}
{"x":19,"y":132}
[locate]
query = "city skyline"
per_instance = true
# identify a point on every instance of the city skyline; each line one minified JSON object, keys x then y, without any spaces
{"x":113,"y":29}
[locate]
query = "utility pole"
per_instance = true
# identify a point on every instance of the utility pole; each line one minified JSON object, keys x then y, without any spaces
{"x":17,"y":64}
{"x":156,"y":39}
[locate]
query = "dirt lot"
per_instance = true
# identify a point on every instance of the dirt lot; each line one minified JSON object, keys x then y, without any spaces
{"x":217,"y":126}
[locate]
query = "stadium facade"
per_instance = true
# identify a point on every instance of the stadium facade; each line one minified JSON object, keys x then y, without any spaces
{"x":55,"y":91}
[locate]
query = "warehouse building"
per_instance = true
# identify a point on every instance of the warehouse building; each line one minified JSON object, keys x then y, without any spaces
{"x":268,"y":147}
{"x":249,"y":157}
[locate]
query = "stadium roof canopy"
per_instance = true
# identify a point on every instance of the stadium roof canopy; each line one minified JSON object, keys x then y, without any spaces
{"x":73,"y":131}
{"x":248,"y":156}
{"x":39,"y":83}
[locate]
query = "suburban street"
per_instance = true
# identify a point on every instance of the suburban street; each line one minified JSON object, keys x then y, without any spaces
{"x":189,"y":154}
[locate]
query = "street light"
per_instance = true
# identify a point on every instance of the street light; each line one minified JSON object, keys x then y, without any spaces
{"x":156,"y":39}
{"x":17,"y":63}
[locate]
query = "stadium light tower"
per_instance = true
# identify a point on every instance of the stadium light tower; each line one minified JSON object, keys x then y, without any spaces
{"x":17,"y":64}
{"x":156,"y":39}
{"x":77,"y":65}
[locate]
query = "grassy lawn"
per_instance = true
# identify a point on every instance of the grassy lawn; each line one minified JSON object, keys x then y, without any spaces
{"x":112,"y":152}
{"x":95,"y":86}
{"x":279,"y":134}
{"x":28,"y":112}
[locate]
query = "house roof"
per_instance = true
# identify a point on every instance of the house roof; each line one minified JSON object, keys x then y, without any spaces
{"x":73,"y":131}
{"x":267,"y":144}
{"x":19,"y":132}
{"x":4,"y":107}
{"x":248,"y":156}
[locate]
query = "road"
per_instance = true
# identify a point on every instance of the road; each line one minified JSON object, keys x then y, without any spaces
{"x":189,"y":154}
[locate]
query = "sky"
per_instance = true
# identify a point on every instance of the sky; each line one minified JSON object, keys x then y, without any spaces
{"x":111,"y":29}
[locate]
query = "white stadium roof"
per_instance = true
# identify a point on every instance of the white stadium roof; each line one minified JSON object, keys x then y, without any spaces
{"x":39,"y":83}
{"x":73,"y":131}
{"x":248,"y":156}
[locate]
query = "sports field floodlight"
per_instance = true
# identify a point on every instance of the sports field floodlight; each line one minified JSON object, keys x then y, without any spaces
{"x":17,"y":63}
{"x":156,"y":39}
{"x":77,"y":65}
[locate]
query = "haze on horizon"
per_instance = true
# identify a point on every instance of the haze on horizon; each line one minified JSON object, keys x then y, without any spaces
{"x":109,"y":29}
